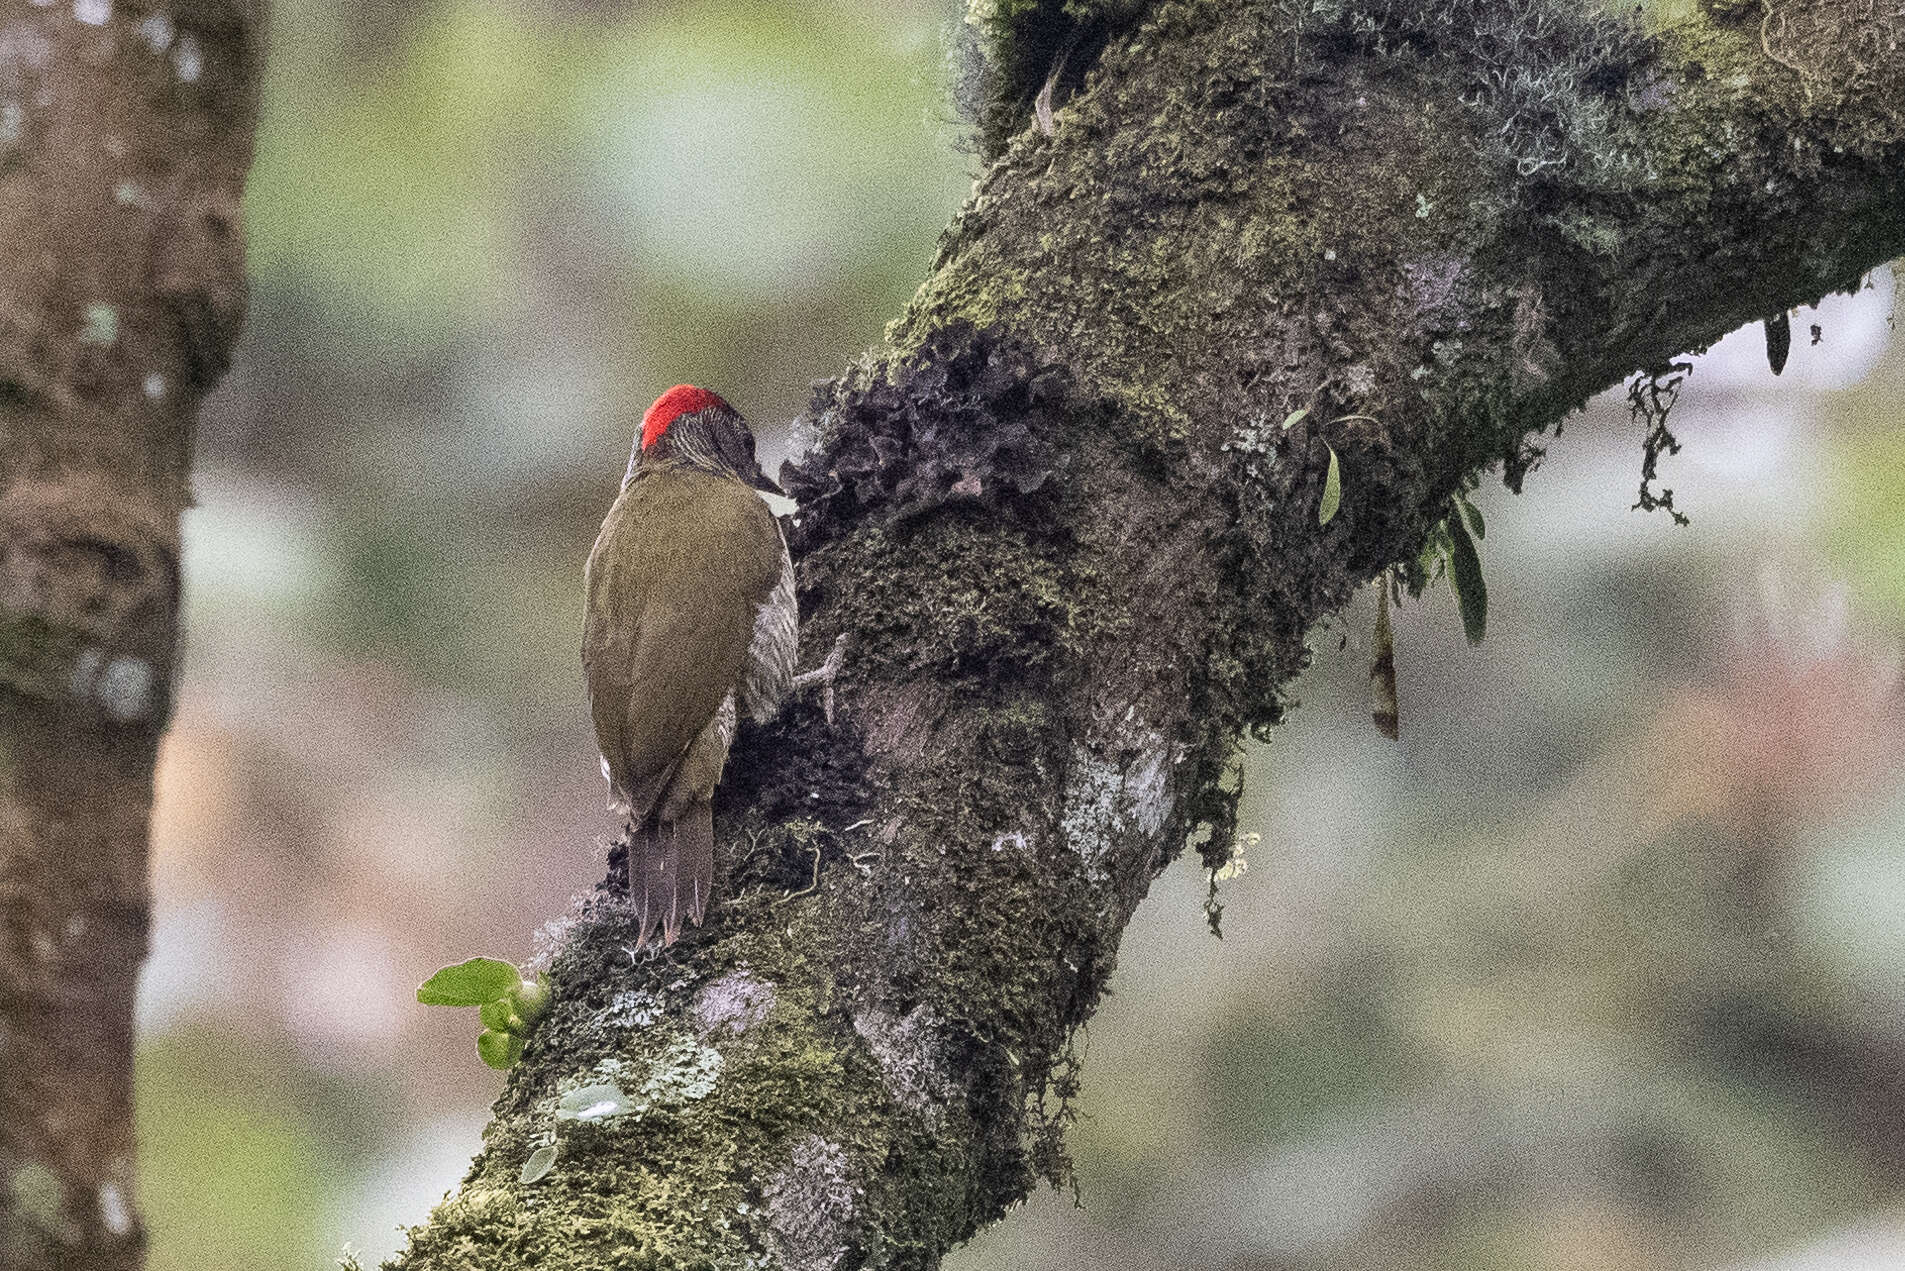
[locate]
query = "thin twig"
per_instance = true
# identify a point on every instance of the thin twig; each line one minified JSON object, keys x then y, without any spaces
{"x":809,"y":888}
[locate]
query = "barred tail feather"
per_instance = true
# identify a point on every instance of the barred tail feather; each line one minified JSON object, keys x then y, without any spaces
{"x":694,"y":835}
{"x":647,"y":865}
{"x":671,"y":873}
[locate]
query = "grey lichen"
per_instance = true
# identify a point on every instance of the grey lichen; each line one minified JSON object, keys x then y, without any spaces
{"x":188,"y":59}
{"x":115,"y":1212}
{"x":22,"y":47}
{"x":685,"y":1072}
{"x":910,"y":1050}
{"x":811,"y":1204}
{"x":125,"y":689}
{"x":156,"y":31}
{"x":1147,"y":783}
{"x":1553,"y":80}
{"x":1107,"y":800}
{"x":1089,"y":810}
{"x":734,"y":1003}
{"x":632,"y":1009}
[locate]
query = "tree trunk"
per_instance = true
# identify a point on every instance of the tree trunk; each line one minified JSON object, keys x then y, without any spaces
{"x":124,"y":140}
{"x":1072,"y":520}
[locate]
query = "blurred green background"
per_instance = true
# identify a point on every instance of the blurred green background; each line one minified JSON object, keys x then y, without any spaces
{"x":1600,"y":967}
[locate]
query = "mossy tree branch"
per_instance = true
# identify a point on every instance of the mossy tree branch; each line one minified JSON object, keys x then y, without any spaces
{"x":1077,"y":554}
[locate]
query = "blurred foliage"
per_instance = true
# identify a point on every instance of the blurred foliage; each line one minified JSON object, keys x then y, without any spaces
{"x":481,"y":245}
{"x":1866,"y":534}
{"x":722,"y":155}
{"x":234,"y":1172}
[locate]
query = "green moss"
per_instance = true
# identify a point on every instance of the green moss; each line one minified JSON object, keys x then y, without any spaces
{"x":37,"y":1198}
{"x":974,"y":296}
{"x":954,"y":599}
{"x":36,"y":658}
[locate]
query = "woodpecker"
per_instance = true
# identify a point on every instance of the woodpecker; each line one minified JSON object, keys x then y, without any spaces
{"x":690,"y":619}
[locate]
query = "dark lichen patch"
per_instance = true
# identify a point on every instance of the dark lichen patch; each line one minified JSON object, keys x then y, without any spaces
{"x":787,"y":793}
{"x":968,"y":417}
{"x":944,"y":464}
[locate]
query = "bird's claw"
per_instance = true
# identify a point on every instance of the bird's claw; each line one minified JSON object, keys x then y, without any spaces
{"x":824,"y":674}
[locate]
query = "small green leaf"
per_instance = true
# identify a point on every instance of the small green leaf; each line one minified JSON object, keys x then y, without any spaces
{"x":499,"y":1050}
{"x":1465,"y":579}
{"x":531,"y":997}
{"x":1472,"y":517}
{"x":469,"y":983}
{"x":1779,"y":340}
{"x":1433,"y":558}
{"x":501,"y":1015}
{"x":1294,"y":417}
{"x":540,"y":1162}
{"x":1332,"y":489}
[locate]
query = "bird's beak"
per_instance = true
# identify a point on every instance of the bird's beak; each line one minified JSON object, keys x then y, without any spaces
{"x":761,"y":481}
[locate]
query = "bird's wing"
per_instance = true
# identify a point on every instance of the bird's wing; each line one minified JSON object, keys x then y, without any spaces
{"x":682,"y":564}
{"x":769,"y":671}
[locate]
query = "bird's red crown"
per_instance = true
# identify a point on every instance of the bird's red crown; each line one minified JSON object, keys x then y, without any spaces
{"x":682,"y":399}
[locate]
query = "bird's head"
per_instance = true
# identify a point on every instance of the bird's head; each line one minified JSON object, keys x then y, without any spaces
{"x":692,"y":426}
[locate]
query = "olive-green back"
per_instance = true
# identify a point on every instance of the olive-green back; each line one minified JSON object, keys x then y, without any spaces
{"x":682,"y":565}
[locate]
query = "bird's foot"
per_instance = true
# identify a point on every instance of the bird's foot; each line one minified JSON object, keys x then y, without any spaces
{"x":824,"y":674}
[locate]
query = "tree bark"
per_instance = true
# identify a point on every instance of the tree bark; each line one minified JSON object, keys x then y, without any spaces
{"x":125,"y":134}
{"x":1070,"y":519}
